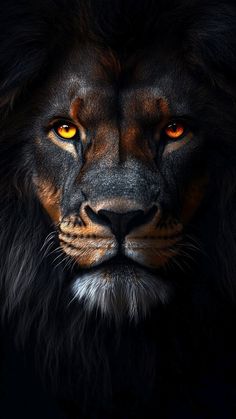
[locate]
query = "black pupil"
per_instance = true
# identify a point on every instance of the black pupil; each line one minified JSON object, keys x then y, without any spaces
{"x":173,"y":127}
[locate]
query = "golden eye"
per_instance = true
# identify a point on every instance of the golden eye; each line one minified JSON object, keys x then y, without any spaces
{"x":66,"y":131}
{"x":175,"y":130}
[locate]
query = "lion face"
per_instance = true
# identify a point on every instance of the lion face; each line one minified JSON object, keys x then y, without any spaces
{"x":120,"y":170}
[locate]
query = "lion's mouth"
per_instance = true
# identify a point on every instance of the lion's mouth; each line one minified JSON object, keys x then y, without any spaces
{"x":150,"y":252}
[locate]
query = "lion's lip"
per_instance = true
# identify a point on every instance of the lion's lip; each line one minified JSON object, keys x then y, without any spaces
{"x":119,"y":260}
{"x":159,"y":243}
{"x":147,"y":252}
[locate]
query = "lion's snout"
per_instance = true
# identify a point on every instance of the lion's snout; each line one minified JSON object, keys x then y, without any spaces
{"x":100,"y":234}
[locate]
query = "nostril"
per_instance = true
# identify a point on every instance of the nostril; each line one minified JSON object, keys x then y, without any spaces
{"x":96,"y":217}
{"x":111,"y":218}
{"x":119,"y":222}
{"x":142,"y":218}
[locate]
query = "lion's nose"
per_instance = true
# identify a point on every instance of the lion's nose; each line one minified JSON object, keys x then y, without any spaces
{"x":120,"y":223}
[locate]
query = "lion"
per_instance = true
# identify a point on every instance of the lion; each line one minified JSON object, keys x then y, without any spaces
{"x":118,"y":180}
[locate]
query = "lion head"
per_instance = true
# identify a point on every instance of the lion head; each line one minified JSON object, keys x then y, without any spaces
{"x":119,"y":169}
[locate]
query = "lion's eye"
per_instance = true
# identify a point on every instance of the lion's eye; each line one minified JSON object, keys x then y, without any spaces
{"x":175,"y":130}
{"x":67,"y":130}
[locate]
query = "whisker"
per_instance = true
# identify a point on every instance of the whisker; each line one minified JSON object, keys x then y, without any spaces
{"x":64,"y":259}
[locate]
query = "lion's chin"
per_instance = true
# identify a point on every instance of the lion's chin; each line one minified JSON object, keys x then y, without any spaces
{"x":120,"y":290}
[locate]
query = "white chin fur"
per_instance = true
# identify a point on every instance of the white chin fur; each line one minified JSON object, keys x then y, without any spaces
{"x":120,"y":291}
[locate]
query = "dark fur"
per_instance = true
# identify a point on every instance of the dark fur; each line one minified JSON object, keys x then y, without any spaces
{"x":167,"y":359}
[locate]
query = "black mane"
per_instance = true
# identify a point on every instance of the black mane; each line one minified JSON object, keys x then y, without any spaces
{"x":204,"y":32}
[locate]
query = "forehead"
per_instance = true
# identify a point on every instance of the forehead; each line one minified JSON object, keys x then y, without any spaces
{"x":100,"y":78}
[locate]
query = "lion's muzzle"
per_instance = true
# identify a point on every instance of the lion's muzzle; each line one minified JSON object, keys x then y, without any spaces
{"x":102,"y":232}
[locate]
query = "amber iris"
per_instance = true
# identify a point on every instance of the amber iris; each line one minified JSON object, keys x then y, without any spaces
{"x":175,"y":130}
{"x":67,"y":131}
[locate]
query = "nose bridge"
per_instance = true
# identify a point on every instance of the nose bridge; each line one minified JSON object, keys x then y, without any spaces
{"x":104,"y":147}
{"x":118,"y":163}
{"x":129,"y":184}
{"x":116,"y":141}
{"x":133,"y":144}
